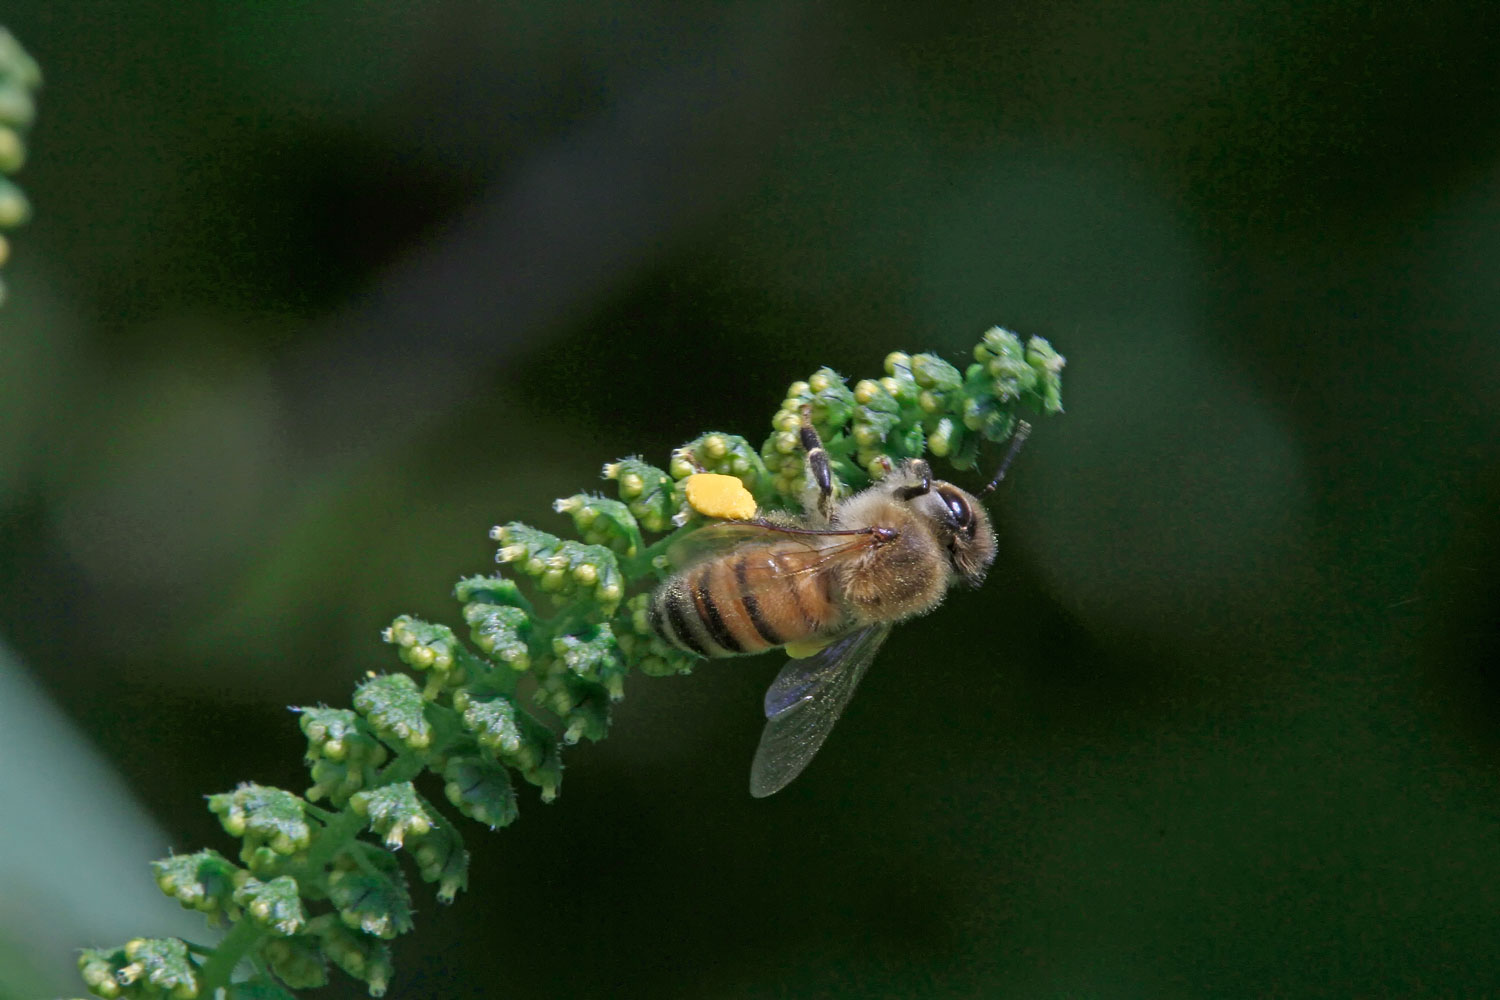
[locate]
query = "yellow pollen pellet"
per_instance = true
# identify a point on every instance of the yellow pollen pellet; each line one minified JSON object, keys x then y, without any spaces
{"x":713,"y":495}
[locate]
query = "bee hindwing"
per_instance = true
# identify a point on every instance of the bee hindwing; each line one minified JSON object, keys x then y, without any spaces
{"x":803,"y":703}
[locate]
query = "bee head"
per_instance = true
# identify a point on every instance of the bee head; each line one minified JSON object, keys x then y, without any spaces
{"x":958,"y":519}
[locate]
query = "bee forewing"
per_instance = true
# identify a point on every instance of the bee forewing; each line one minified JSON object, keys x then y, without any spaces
{"x":800,"y":551}
{"x":803,"y":703}
{"x":716,"y":539}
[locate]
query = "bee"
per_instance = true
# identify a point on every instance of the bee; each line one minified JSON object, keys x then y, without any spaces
{"x":826,"y":587}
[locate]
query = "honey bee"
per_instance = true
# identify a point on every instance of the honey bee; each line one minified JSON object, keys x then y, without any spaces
{"x":827,"y":587}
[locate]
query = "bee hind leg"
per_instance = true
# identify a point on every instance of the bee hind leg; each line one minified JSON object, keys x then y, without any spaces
{"x":819,"y":472}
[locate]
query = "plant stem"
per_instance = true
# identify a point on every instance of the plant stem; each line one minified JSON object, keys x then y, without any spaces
{"x":214,"y":974}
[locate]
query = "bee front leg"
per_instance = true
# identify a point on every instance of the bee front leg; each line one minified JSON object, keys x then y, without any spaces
{"x":819,"y":472}
{"x":922,"y":473}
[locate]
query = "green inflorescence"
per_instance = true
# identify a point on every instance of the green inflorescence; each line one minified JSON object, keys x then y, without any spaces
{"x":19,"y":79}
{"x":319,"y":882}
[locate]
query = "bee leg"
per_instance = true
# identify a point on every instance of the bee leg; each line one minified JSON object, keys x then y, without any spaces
{"x":818,"y":469}
{"x":923,"y":472}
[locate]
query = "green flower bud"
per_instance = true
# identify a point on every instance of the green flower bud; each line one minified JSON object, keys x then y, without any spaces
{"x":868,"y":435}
{"x":829,"y":398}
{"x":964,"y":454}
{"x":12,"y":150}
{"x":647,"y":652}
{"x":16,"y":66}
{"x":427,"y":647}
{"x":362,"y":956}
{"x":1048,"y":365}
{"x":934,"y":374}
{"x":19,"y":76}
{"x":335,"y":781}
{"x":908,"y":442}
{"x":394,"y":811}
{"x":203,"y":881}
{"x":557,"y":564}
{"x":554,"y":694}
{"x":1004,"y":360}
{"x":162,"y":964}
{"x":589,"y":716}
{"x":342,"y":753}
{"x":592,"y":655}
{"x":14,"y":208}
{"x":975,"y":410}
{"x":494,"y":722}
{"x":945,"y":439}
{"x":338,"y":734}
{"x":441,"y":858}
{"x":297,"y":961}
{"x":501,"y":632}
{"x":481,"y":789}
{"x":271,"y":821}
{"x":997,"y":342}
{"x":992,"y":418}
{"x":371,"y":897}
{"x":395,"y":710}
{"x":646,"y":490}
{"x":546,"y":774}
{"x":601,"y":521}
{"x":99,"y":968}
{"x":489,"y":590}
{"x":523,"y":544}
{"x":275,"y":905}
{"x":17,"y":106}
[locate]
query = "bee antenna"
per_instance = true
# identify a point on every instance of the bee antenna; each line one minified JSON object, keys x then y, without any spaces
{"x":1022,"y":432}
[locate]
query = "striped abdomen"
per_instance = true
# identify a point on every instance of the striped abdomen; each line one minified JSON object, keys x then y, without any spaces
{"x":747,"y":601}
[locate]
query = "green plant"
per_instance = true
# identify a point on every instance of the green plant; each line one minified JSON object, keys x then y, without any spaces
{"x":19,"y":78}
{"x":308,"y":888}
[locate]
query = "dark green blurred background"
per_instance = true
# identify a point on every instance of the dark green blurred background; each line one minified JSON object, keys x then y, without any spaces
{"x":315,"y":295}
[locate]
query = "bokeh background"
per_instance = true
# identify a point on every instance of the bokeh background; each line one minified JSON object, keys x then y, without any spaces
{"x":315,"y":294}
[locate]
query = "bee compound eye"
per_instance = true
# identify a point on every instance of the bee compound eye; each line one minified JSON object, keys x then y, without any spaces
{"x":958,"y":509}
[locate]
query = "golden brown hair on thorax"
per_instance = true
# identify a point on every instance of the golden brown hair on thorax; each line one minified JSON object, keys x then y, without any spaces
{"x":827,"y":587}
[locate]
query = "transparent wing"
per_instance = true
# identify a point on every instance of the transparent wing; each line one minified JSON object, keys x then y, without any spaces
{"x":715,"y":539}
{"x":788,"y":551}
{"x":803,"y":703}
